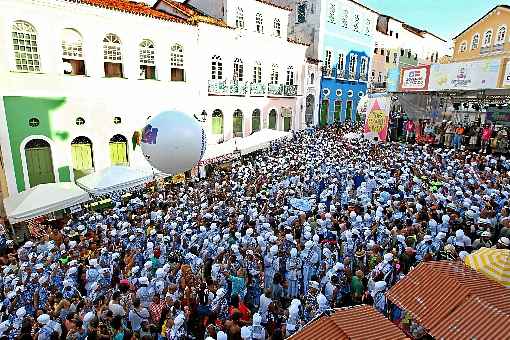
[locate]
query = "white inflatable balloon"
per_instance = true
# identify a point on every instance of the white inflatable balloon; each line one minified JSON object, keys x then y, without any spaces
{"x":173,"y":142}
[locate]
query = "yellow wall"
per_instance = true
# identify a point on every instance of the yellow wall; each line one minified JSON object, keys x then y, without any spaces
{"x":494,"y":20}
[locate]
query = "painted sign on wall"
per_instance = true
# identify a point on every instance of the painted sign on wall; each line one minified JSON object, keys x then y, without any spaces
{"x":474,"y":75}
{"x":506,"y":76}
{"x":376,"y":121}
{"x":415,"y":78}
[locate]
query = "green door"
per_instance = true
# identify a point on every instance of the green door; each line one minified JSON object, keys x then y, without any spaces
{"x":238,"y":126}
{"x":324,"y":112}
{"x":348,"y":110}
{"x":39,"y":165}
{"x":286,"y":123}
{"x":338,"y":110}
{"x":272,"y":119}
{"x":82,"y":159}
{"x":255,"y":123}
{"x":217,"y":125}
{"x":118,"y":153}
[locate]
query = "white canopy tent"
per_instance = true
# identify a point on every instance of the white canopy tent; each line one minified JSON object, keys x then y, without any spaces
{"x":115,"y":179}
{"x":256,"y":141}
{"x":43,"y":199}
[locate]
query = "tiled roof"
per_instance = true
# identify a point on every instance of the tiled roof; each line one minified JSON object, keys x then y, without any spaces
{"x":352,"y":323}
{"x":293,"y":41}
{"x":276,"y":3}
{"x":454,"y":302}
{"x":130,"y":7}
{"x":193,"y":15}
{"x":477,"y":21}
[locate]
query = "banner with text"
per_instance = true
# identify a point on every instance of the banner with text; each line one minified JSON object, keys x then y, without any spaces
{"x":377,"y":119}
{"x":474,"y":75}
{"x":415,"y":78}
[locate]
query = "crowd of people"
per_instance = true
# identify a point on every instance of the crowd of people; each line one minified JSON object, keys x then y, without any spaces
{"x":257,"y":250}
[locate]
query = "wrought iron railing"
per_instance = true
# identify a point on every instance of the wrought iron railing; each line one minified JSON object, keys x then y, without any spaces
{"x":275,"y":89}
{"x":257,"y":89}
{"x":218,"y":87}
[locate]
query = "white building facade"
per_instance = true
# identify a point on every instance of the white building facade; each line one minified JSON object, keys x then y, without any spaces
{"x":79,"y":82}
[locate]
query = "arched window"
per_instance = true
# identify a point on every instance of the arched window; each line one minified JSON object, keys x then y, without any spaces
{"x":238,"y":70}
{"x":487,"y":38}
{"x":331,"y":13}
{"x":463,"y":47}
{"x":72,"y":52}
{"x":216,"y":68}
{"x":368,"y":26}
{"x":118,"y":150}
{"x":272,"y":119}
{"x":352,"y":66}
{"x":341,"y":66}
{"x":364,"y":68}
{"x":237,"y":123}
{"x":259,"y":23}
{"x":277,"y":28}
{"x":255,"y":120}
{"x":177,"y":62}
{"x":82,"y":157}
{"x":24,"y":42}
{"x":112,"y":49}
{"x":290,"y":76}
{"x":345,"y":18}
{"x":257,"y":73}
{"x":147,"y":60}
{"x":500,"y":39}
{"x":274,"y":74}
{"x":475,"y":42}
{"x":217,"y":122}
{"x":239,"y":18}
{"x":39,"y":162}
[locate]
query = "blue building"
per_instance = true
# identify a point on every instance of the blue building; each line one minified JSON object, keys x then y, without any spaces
{"x":346,"y":46}
{"x":341,"y":34}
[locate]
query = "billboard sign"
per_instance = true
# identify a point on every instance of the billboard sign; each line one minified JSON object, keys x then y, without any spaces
{"x":415,"y":78}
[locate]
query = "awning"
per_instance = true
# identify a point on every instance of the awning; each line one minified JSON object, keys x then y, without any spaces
{"x":115,"y":179}
{"x":43,"y":199}
{"x":216,"y":153}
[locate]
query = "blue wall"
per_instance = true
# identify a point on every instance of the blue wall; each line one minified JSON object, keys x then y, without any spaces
{"x":344,"y":40}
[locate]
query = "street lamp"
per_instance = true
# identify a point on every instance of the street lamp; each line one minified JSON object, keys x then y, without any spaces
{"x":203,"y":117}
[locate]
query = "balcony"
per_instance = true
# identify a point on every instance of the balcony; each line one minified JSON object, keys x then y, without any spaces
{"x":327,"y":72}
{"x":485,"y":50}
{"x":363,"y":78}
{"x":498,"y":48}
{"x":351,"y":76}
{"x":218,"y":87}
{"x":237,"y":88}
{"x":275,"y":89}
{"x":290,"y":90}
{"x":341,"y":74}
{"x":257,"y":89}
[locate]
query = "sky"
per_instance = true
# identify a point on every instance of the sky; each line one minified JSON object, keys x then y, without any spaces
{"x":445,"y":18}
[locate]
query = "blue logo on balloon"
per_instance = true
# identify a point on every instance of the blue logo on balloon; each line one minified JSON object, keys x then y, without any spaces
{"x":149,"y":135}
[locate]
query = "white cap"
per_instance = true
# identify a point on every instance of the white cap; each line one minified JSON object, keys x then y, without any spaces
{"x":43,"y":319}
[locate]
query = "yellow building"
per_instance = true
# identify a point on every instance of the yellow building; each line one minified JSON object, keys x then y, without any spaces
{"x":486,"y":38}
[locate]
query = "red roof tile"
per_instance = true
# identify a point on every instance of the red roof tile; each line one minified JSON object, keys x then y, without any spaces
{"x":193,"y":14}
{"x":130,"y":7}
{"x":354,"y":323}
{"x":452,"y":301}
{"x":276,"y":3}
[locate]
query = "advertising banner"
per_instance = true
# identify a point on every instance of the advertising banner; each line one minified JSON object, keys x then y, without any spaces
{"x":474,"y":75}
{"x":415,"y":78}
{"x":506,"y":76}
{"x":393,"y":79}
{"x":500,"y":116}
{"x":377,"y":119}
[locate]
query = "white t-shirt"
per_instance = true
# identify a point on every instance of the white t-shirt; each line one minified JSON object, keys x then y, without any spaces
{"x":264,"y":304}
{"x":137,"y":317}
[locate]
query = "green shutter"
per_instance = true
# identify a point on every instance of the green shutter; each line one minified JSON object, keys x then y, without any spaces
{"x":39,"y":166}
{"x":338,"y":109}
{"x":118,"y":153}
{"x":348,"y":110}
{"x":237,"y":126}
{"x":255,"y":123}
{"x":324,"y":112}
{"x":272,"y":121}
{"x":286,"y":124}
{"x":217,"y":125}
{"x":82,"y":159}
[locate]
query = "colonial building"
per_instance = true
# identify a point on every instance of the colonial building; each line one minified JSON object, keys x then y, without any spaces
{"x":253,"y":72}
{"x":398,"y":45}
{"x":79,"y":78}
{"x":341,"y":35}
{"x":486,"y":38}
